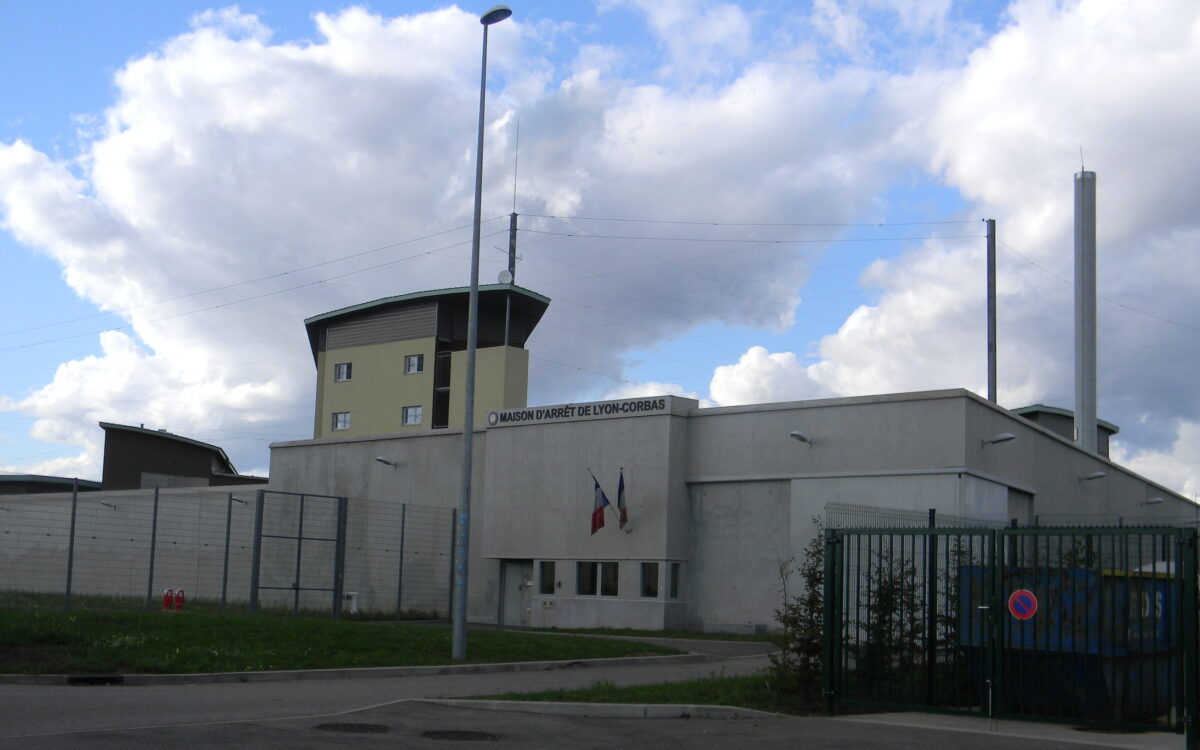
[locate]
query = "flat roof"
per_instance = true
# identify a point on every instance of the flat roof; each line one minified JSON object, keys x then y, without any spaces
{"x":44,"y":479}
{"x":172,"y":436}
{"x":1035,"y":408}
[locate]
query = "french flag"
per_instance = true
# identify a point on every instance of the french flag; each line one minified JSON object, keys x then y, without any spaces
{"x":598,"y":507}
{"x":622,"y":516}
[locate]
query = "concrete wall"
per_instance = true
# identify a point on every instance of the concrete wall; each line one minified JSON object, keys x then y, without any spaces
{"x":428,"y":475}
{"x":378,"y":388}
{"x":501,"y":381}
{"x":725,"y":492}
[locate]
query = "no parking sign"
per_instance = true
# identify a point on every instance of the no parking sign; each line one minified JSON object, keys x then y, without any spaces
{"x":1022,"y":604}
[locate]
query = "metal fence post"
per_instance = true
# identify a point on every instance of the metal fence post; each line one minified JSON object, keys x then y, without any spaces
{"x":931,"y":605}
{"x":453,"y":534}
{"x":71,"y":542}
{"x":830,"y":632}
{"x":225,"y":567}
{"x":299,"y":558}
{"x":256,"y":557}
{"x":153,"y":546}
{"x":1189,"y":636}
{"x":400,"y":571}
{"x":339,"y":562}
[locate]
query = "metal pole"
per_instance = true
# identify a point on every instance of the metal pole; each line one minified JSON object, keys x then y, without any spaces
{"x":153,"y":546}
{"x":256,"y":557}
{"x":512,"y":273}
{"x":339,"y":564}
{"x":400,"y":571}
{"x":991,"y":308}
{"x":225,"y":569}
{"x":453,"y":537}
{"x":71,"y":541}
{"x":458,"y":599}
{"x":931,"y":605}
{"x":299,"y":557}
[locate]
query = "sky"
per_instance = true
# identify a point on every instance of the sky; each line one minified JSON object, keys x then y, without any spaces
{"x":736,"y":202}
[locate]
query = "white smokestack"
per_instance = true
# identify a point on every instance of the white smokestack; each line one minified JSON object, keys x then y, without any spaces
{"x":1085,"y":310}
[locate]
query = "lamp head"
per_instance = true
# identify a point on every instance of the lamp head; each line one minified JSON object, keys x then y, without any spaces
{"x":495,"y":14}
{"x":1003,"y":437}
{"x":1153,"y":501}
{"x":1093,"y":475}
{"x":386,"y":462}
{"x":801,"y":437}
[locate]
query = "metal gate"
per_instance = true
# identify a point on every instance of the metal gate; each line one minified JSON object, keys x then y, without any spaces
{"x":1084,"y":625}
{"x":299,"y":551}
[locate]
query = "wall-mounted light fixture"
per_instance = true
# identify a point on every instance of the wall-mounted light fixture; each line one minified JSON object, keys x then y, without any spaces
{"x":386,"y":462}
{"x":237,"y":500}
{"x":1153,"y":501}
{"x":1003,"y":437}
{"x":107,"y":505}
{"x":1093,"y":475}
{"x":801,"y":437}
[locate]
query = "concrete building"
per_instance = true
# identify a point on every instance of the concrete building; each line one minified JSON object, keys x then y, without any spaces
{"x":137,"y":458}
{"x":719,"y":500}
{"x":397,"y":364}
{"x":37,"y":484}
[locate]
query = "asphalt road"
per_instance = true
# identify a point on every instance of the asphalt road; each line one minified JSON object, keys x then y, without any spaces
{"x":370,"y":712}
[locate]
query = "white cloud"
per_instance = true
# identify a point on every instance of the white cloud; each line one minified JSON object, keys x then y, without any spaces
{"x":651,"y":388}
{"x":760,"y":376}
{"x":1005,"y":132}
{"x":226,"y":157}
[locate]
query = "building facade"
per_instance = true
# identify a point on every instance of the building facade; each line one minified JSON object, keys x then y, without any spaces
{"x":720,"y":502}
{"x":397,"y":364}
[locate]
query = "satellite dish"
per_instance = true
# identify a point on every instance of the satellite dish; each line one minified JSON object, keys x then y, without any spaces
{"x":505,"y":277}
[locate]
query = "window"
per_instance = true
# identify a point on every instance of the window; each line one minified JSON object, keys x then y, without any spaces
{"x":650,"y":579}
{"x":546,"y":577}
{"x":341,"y":372}
{"x":414,"y":363}
{"x":411,"y":415}
{"x":590,"y":576}
{"x":341,"y":420}
{"x":673,"y":588}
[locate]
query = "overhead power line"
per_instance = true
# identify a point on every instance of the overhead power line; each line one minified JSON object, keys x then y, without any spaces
{"x":748,"y":223}
{"x":823,"y":241}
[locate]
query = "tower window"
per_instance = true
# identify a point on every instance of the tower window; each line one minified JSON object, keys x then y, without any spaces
{"x":414,"y":363}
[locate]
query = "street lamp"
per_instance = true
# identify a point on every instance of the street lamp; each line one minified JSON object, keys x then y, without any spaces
{"x":462,"y":543}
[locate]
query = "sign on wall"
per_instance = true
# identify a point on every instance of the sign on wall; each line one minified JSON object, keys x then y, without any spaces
{"x":574,"y":412}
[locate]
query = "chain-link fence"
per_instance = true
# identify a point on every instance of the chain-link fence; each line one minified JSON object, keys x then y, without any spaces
{"x":124,"y":548}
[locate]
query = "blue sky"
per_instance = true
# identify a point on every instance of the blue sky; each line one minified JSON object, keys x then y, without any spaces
{"x":151,"y":152}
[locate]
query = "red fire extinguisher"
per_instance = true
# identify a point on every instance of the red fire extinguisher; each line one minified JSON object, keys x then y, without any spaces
{"x":179,"y":600}
{"x":168,"y":600}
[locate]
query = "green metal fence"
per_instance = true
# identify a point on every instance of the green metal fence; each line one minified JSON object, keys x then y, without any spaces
{"x":1090,"y":626}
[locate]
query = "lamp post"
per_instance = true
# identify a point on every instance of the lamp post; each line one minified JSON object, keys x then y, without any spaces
{"x":462,"y":542}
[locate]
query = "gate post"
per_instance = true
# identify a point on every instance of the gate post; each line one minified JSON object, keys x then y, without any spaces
{"x":830,"y":631}
{"x":339,"y":562}
{"x":1189,"y":636}
{"x":256,"y":558}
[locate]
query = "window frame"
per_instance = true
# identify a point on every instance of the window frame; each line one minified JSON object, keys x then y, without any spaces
{"x":546,"y":583}
{"x":334,"y":421}
{"x":652,"y":579}
{"x":419,"y":359}
{"x":601,"y":584}
{"x":405,"y":411}
{"x":338,"y":372}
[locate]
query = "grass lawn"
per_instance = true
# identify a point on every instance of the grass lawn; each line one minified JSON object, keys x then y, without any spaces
{"x":106,"y":642}
{"x":757,"y":692}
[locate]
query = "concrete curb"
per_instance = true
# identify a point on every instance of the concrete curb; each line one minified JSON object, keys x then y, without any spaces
{"x":347,"y":673}
{"x":610,"y":710}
